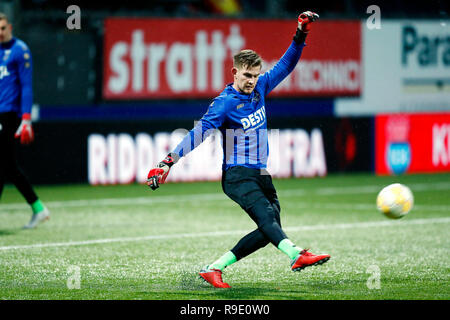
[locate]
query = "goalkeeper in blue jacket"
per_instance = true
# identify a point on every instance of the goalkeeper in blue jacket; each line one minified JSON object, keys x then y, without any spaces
{"x":16,"y":96}
{"x":239,"y":113}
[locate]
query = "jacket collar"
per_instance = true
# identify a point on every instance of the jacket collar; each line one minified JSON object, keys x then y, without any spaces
{"x":9,"y":44}
{"x":242,"y":96}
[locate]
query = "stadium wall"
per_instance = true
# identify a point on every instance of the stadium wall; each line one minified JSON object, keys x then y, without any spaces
{"x":120,"y":151}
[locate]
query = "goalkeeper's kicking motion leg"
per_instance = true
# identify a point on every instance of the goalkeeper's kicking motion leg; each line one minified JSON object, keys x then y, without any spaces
{"x":255,"y":193}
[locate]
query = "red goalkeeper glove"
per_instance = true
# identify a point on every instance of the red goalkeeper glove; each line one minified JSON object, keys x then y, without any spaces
{"x":305,"y":19}
{"x":25,"y":130}
{"x":159,"y":174}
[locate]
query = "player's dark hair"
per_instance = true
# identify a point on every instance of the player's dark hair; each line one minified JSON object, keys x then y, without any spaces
{"x":247,"y":59}
{"x":3,"y":17}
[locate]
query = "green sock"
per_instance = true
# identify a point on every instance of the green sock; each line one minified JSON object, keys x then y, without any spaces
{"x":37,"y":206}
{"x":225,"y":260}
{"x":289,"y":248}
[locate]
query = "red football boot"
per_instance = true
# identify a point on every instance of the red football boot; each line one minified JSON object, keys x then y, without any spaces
{"x":306,"y":259}
{"x":214,"y":277}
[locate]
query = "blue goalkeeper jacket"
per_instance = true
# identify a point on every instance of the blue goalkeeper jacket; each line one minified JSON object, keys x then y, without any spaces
{"x":241,"y":118}
{"x":16,"y":93}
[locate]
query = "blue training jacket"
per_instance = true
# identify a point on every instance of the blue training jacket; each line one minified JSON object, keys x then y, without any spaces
{"x":241,"y":118}
{"x":16,"y":93}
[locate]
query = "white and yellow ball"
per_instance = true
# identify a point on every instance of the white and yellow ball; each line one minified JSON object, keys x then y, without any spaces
{"x":395,"y":201}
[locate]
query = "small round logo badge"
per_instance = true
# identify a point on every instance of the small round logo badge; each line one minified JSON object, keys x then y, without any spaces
{"x":399,"y":157}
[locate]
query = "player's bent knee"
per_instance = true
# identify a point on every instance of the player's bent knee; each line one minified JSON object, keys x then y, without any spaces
{"x":264,"y":214}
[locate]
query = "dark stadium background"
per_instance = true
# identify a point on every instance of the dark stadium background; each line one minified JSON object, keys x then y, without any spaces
{"x":68,"y":71}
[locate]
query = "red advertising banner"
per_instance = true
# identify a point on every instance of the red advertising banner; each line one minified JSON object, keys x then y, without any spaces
{"x":192,"y":58}
{"x":412,"y":143}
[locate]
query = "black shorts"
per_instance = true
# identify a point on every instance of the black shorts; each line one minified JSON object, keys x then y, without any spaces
{"x":9,"y":122}
{"x":246,"y":186}
{"x":9,"y":169}
{"x":253,"y":190}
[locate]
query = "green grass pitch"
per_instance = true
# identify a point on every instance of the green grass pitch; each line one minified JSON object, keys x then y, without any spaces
{"x":128,"y":242}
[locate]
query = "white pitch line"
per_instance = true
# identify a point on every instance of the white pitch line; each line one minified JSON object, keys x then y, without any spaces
{"x":153,"y":199}
{"x":122,"y":201}
{"x":375,"y":189}
{"x":386,"y":223}
{"x":367,"y":206}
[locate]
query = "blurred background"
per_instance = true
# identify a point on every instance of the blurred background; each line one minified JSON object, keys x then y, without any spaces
{"x":113,"y":82}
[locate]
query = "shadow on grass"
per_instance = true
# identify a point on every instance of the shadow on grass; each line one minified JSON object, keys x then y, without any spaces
{"x":9,"y":232}
{"x":234,"y":293}
{"x":192,"y":287}
{"x":257,"y":293}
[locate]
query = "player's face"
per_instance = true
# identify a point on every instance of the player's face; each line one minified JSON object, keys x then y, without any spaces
{"x":245,"y":79}
{"x":5,"y":31}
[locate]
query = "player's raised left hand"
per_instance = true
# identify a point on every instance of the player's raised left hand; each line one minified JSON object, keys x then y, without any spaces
{"x":158,"y":175}
{"x":305,"y":19}
{"x":25,"y":130}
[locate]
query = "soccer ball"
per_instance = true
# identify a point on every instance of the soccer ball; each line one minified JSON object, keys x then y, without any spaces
{"x":395,"y":200}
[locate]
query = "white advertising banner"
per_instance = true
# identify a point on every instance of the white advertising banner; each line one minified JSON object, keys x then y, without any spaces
{"x":406,"y":68}
{"x":122,"y":158}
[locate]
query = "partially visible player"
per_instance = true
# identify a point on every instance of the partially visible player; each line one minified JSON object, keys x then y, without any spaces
{"x":239,"y":112}
{"x":16,"y":96}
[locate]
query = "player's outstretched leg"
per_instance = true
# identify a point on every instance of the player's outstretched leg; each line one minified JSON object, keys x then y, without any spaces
{"x":18,"y":178}
{"x":40,"y":214}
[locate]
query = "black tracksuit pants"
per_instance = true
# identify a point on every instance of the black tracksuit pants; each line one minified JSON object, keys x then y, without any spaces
{"x":255,"y":193}
{"x":9,"y":169}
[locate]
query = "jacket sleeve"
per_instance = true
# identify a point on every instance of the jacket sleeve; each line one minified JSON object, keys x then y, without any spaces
{"x":283,"y":68}
{"x":25,"y":72}
{"x":211,"y":120}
